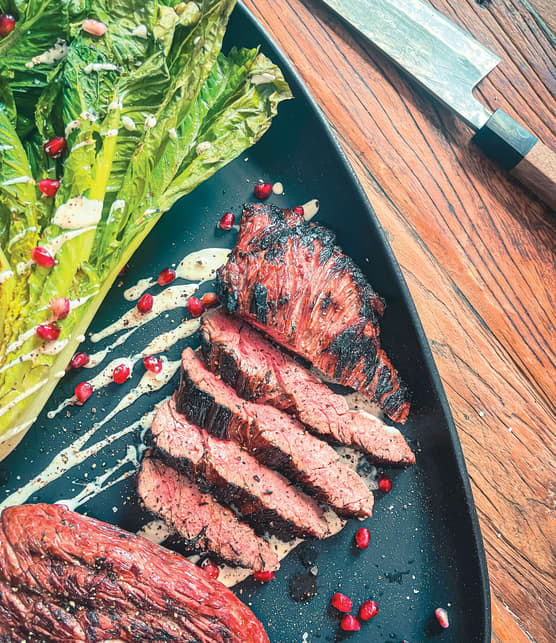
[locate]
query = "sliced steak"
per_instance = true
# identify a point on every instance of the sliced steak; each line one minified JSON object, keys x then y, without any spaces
{"x":289,"y":279}
{"x":261,"y":372}
{"x":65,"y":577}
{"x":262,"y":496}
{"x":205,"y":524}
{"x":273,"y":437}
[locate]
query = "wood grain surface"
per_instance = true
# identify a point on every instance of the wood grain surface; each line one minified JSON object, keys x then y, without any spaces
{"x":477,"y":251}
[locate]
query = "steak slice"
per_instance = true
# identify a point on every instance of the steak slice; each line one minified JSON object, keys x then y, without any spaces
{"x":273,"y":437}
{"x":289,"y":279}
{"x":65,"y":577}
{"x":262,"y":496}
{"x":205,"y":524}
{"x":260,"y":372}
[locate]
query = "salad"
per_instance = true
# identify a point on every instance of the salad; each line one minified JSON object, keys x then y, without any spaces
{"x":110,"y":111}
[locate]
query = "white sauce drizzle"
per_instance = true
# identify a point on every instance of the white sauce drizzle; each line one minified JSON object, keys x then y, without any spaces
{"x":140,"y":31}
{"x":134,"y":292}
{"x":128,"y":123}
{"x":72,"y":126}
{"x":90,"y":141}
{"x":55,"y":244}
{"x":278,"y":188}
{"x":50,"y":348}
{"x":23,"y":266}
{"x":172,"y":133}
{"x":21,"y":339}
{"x":21,"y":397}
{"x":150,"y":121}
{"x":78,"y":212}
{"x":5,"y":275}
{"x":51,"y":56}
{"x":6,"y":437}
{"x":111,"y":132}
{"x":263,"y":79}
{"x":203,"y":264}
{"x":91,"y":67}
{"x":20,"y":235}
{"x":310,"y":209}
{"x":19,"y":179}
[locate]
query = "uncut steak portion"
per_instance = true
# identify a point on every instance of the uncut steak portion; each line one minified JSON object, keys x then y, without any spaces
{"x":263,"y":497}
{"x":261,"y":372}
{"x":204,"y":523}
{"x":287,"y":278}
{"x":65,"y":577}
{"x":273,"y":437}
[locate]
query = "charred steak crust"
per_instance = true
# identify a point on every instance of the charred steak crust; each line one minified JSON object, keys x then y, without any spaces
{"x":65,"y":577}
{"x":288,"y":278}
{"x":259,"y":371}
{"x":206,"y":526}
{"x":271,"y":436}
{"x":263,"y":497}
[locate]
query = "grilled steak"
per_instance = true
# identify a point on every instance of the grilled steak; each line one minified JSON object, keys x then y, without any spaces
{"x":264,"y":497}
{"x":287,"y":278}
{"x":260,"y":372}
{"x":65,"y":577}
{"x":200,"y":519}
{"x":273,"y":437}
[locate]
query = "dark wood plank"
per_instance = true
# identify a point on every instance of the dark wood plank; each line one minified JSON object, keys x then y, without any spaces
{"x":477,"y":250}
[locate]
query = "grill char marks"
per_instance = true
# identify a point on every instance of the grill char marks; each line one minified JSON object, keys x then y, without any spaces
{"x":264,"y":497}
{"x":79,"y":579}
{"x":274,"y":438}
{"x":260,"y":372}
{"x":205,"y":524}
{"x":316,"y":302}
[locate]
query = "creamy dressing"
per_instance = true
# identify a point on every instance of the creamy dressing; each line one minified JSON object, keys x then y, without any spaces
{"x":163,"y":342}
{"x":23,"y":266}
{"x":96,"y":358}
{"x":72,"y":126}
{"x":51,"y":56}
{"x":21,"y":397}
{"x":140,"y":31}
{"x":5,"y":275}
{"x":55,"y":244}
{"x":203,"y":264}
{"x":278,"y":188}
{"x":20,"y":235}
{"x":91,"y":67}
{"x":134,"y":292}
{"x":202,"y":147}
{"x":78,"y":212}
{"x":172,"y":133}
{"x":150,"y":121}
{"x":310,"y":209}
{"x":50,"y":348}
{"x":89,"y":141}
{"x":263,"y":79}
{"x":128,"y":123}
{"x":19,"y":179}
{"x":21,"y":339}
{"x":6,"y":437}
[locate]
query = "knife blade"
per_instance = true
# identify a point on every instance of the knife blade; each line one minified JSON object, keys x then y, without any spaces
{"x":449,"y":63}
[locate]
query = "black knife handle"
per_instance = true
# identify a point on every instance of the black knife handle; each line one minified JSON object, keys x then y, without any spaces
{"x":515,"y":149}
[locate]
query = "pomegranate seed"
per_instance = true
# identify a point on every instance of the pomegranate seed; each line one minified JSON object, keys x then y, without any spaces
{"x":262,"y":191}
{"x":211,"y":569}
{"x":79,"y":360}
{"x":145,"y":303}
{"x":49,"y":186}
{"x":83,"y":392}
{"x":123,"y":272}
{"x":49,"y":332}
{"x":60,"y":307}
{"x":7,"y":24}
{"x":94,"y":27}
{"x":209,"y":299}
{"x":120,"y":374}
{"x":42,"y":257}
{"x":442,"y":617}
{"x":341,"y":602}
{"x":227,"y":221}
{"x":298,"y":209}
{"x":368,"y":610}
{"x":263,"y":577}
{"x":385,"y":484}
{"x":152,"y":364}
{"x":362,"y":537}
{"x":350,"y":624}
{"x":166,"y":276}
{"x":194,"y":306}
{"x":55,"y":147}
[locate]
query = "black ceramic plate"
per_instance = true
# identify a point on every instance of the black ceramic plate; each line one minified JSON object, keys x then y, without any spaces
{"x":426,"y":548}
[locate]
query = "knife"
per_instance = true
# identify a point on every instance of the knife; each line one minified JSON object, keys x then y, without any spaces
{"x":448,"y":63}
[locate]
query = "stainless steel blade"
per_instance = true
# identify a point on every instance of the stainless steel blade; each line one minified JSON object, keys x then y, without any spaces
{"x":439,"y":55}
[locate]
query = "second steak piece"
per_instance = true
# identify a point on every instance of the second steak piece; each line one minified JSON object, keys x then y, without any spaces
{"x":261,"y":372}
{"x":205,"y":524}
{"x":273,"y":437}
{"x":262,"y":496}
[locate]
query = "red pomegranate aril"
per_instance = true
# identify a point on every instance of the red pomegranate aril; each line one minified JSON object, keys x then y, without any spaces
{"x":55,"y":147}
{"x":60,"y":307}
{"x":362,"y":538}
{"x":120,"y":374}
{"x":194,"y":307}
{"x":227,"y":221}
{"x":368,"y":610}
{"x":42,"y":257}
{"x":262,"y":191}
{"x":166,"y":276}
{"x":152,"y":364}
{"x":341,"y":602}
{"x":263,"y":577}
{"x":350,"y":624}
{"x":123,"y":272}
{"x":83,"y":392}
{"x":209,"y":299}
{"x":385,"y":484}
{"x":210,"y":568}
{"x":7,"y":24}
{"x":49,"y":186}
{"x":442,"y":617}
{"x":49,"y":332}
{"x":79,"y":360}
{"x":145,"y":303}
{"x":299,"y":209}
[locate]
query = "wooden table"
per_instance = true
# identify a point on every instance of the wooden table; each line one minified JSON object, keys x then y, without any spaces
{"x":477,"y":251}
